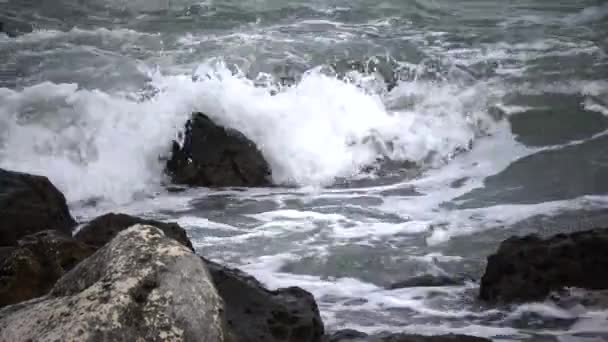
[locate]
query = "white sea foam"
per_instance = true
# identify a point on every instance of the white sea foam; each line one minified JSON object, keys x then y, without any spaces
{"x":197,"y":222}
{"x":96,"y":144}
{"x":290,"y":214}
{"x":89,"y":143}
{"x":587,"y":15}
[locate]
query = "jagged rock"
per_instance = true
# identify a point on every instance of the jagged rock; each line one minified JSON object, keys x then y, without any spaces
{"x":214,"y":156}
{"x":528,"y":268}
{"x":142,"y":286}
{"x":353,"y":335}
{"x":428,"y":280}
{"x":255,"y":314}
{"x":103,"y":229}
{"x":31,"y":269}
{"x":30,"y":204}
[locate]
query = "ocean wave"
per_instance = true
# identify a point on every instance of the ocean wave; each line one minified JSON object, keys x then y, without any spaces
{"x":94,"y":143}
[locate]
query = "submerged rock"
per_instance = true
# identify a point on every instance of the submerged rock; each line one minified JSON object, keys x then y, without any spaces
{"x":103,"y":229}
{"x":30,"y":204}
{"x":215,"y":156}
{"x":529,"y":268}
{"x":31,"y":269}
{"x":353,"y":335}
{"x":13,"y":27}
{"x":255,"y":314}
{"x":142,"y":286}
{"x":428,"y":280}
{"x":381,"y":67}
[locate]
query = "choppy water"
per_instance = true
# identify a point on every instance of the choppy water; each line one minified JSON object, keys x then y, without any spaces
{"x":503,"y":105}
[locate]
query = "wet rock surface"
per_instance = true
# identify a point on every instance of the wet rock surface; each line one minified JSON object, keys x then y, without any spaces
{"x":30,"y":204}
{"x":529,"y":268}
{"x":142,"y":286}
{"x":255,"y":314}
{"x":215,"y":156}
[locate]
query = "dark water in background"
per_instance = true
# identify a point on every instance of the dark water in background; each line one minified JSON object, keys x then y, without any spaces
{"x":502,"y":104}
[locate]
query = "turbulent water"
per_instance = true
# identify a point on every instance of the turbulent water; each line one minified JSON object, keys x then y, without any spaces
{"x":502,"y":106}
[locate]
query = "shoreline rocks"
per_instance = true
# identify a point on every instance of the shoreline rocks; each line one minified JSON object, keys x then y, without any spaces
{"x":529,"y":268}
{"x":30,"y":204}
{"x":253,"y":313}
{"x":124,"y":278}
{"x":215,"y":156}
{"x":140,"y":286}
{"x":31,"y":269}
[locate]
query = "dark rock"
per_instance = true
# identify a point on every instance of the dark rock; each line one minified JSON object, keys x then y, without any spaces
{"x":31,"y":269}
{"x":5,"y":251}
{"x":103,"y":229}
{"x":379,"y":66}
{"x":529,"y":268}
{"x":353,"y":335}
{"x":13,"y":27}
{"x":255,"y":314}
{"x":30,"y":204}
{"x":428,"y":280}
{"x":142,"y":286}
{"x":4,"y":29}
{"x":214,"y":156}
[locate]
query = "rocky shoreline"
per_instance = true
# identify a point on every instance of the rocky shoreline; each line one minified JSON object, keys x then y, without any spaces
{"x":124,"y":278}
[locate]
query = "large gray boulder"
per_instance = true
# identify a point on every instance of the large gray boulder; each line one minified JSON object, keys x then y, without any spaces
{"x":30,"y":204}
{"x":215,"y":156}
{"x":142,"y":286}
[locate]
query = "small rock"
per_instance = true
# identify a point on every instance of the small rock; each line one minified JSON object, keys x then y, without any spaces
{"x":529,"y":268}
{"x":215,"y":156}
{"x":103,"y":229}
{"x":142,"y":286}
{"x":30,"y":204}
